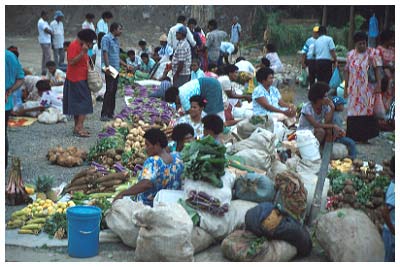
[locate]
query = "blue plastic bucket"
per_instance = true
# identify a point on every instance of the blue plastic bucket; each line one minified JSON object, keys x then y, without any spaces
{"x":83,"y":231}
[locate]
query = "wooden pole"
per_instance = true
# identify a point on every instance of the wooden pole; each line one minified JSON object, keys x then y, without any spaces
{"x":351,"y":29}
{"x":324,"y":16}
{"x":386,"y":21}
{"x":323,"y":171}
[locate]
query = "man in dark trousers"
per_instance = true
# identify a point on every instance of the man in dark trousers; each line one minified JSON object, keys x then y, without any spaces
{"x":308,"y":56}
{"x":324,"y":54}
{"x":110,"y":57}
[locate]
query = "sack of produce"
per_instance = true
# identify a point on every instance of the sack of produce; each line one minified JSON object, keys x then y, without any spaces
{"x":310,"y":182}
{"x":243,"y":245}
{"x":256,"y":215}
{"x":221,"y":226}
{"x":120,"y":218}
{"x":339,"y":151}
{"x":292,"y":195}
{"x":254,"y":187}
{"x":247,"y":126}
{"x":165,"y":234}
{"x":255,"y":158}
{"x":277,"y":167}
{"x":201,"y":240}
{"x":349,"y":235}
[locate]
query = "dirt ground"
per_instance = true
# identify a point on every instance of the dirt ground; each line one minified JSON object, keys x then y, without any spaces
{"x":30,"y":56}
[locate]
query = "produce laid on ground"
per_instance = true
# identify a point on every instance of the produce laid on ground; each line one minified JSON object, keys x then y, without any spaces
{"x":70,"y":157}
{"x":43,"y":186}
{"x":16,"y":193}
{"x":360,"y":187}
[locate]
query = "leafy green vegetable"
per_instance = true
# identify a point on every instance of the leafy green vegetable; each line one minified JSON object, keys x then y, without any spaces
{"x":55,"y":222}
{"x":338,"y":179}
{"x":104,"y":205}
{"x":257,"y":120}
{"x":106,"y":143}
{"x":79,"y":197}
{"x":204,"y":160}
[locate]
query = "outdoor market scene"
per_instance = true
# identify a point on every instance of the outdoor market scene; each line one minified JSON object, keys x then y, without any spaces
{"x":200,"y":133}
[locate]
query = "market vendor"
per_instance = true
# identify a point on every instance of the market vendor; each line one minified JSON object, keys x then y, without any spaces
{"x":214,"y":126}
{"x":267,"y":99}
{"x":208,"y":88}
{"x":196,"y":113}
{"x":317,"y":115}
{"x":161,"y":170}
{"x":182,"y":133}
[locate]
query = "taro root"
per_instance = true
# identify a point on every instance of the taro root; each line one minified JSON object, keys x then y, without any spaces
{"x":349,"y":189}
{"x":357,"y":163}
{"x":386,"y":162}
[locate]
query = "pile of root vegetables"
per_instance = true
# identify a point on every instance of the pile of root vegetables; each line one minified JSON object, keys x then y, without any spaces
{"x":69,"y":157}
{"x":91,"y":181}
{"x":362,"y":187}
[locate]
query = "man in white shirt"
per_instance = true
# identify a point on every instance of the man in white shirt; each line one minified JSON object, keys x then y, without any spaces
{"x":324,"y":54}
{"x":172,"y":41}
{"x":88,"y":23}
{"x":102,"y":24}
{"x":57,"y":27}
{"x":244,"y":66}
{"x":44,"y":39}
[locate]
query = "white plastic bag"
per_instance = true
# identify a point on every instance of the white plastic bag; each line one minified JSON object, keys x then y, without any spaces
{"x":167,"y":196}
{"x":51,"y":116}
{"x":310,"y":182}
{"x":165,"y":234}
{"x":120,"y":218}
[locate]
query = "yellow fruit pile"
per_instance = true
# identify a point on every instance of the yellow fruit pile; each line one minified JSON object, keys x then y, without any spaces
{"x":344,"y":165}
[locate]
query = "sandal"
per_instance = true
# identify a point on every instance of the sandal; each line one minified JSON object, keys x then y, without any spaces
{"x":81,"y":134}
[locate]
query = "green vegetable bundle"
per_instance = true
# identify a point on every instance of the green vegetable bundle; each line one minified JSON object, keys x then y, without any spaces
{"x":204,"y":160}
{"x":56,"y":223}
{"x":104,"y":144}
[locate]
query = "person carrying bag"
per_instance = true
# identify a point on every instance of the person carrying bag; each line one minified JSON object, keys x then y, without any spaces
{"x":95,"y":83}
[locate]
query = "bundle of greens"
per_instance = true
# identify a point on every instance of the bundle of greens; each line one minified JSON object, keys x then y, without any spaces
{"x":106,"y":143}
{"x":204,"y":160}
{"x":56,"y":226}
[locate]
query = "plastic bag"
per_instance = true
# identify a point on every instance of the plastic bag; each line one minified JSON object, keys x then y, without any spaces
{"x":379,"y":108}
{"x":303,"y":79}
{"x":335,"y":80}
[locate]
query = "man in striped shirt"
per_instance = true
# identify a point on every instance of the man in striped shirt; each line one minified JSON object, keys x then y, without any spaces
{"x":182,"y":58}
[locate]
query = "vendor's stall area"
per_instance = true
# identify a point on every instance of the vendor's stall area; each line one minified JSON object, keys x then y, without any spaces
{"x":252,"y":195}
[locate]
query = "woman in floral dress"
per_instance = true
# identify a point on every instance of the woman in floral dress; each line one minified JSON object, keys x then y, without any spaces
{"x":387,"y":57}
{"x":361,"y":123}
{"x":161,"y":170}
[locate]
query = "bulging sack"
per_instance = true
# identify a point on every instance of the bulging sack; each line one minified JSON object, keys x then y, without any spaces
{"x":165,"y":234}
{"x":247,"y":126}
{"x":254,"y":187}
{"x":120,"y":218}
{"x":256,"y":158}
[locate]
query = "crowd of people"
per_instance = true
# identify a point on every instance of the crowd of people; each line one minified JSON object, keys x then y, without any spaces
{"x":203,"y":82}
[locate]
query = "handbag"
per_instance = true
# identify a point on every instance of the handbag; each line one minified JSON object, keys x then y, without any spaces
{"x":95,"y":83}
{"x":379,"y":109}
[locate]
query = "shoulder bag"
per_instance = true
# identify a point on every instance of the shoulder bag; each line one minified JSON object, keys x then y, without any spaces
{"x":94,"y":80}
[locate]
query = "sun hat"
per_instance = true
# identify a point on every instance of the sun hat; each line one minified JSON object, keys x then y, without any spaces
{"x":163,"y":37}
{"x":182,"y":29}
{"x":58,"y":14}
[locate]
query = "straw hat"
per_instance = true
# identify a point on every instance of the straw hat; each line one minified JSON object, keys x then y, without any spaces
{"x":163,"y":37}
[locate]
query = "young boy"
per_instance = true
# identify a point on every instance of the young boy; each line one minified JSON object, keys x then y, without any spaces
{"x":143,"y":49}
{"x":213,"y":125}
{"x":133,"y":60}
{"x":48,"y":99}
{"x":54,"y":75}
{"x":388,"y":216}
{"x":338,"y":120}
{"x":196,"y":71}
{"x":147,"y":63}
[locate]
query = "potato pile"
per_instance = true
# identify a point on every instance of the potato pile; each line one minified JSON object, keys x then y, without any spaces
{"x":135,"y":139}
{"x":90,"y":181}
{"x":117,"y":123}
{"x":70,"y":157}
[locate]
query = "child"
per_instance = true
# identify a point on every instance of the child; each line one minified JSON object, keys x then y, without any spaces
{"x":388,"y":216}
{"x":48,"y":99}
{"x":54,"y":75}
{"x":181,"y":134}
{"x":147,"y":63}
{"x":133,"y":60}
{"x":143,"y":49}
{"x":213,"y":125}
{"x":196,"y":71}
{"x":338,"y":120}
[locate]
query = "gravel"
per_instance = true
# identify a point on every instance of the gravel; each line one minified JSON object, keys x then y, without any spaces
{"x":32,"y":143}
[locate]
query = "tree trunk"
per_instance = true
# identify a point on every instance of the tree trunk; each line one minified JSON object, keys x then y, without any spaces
{"x":386,"y":21}
{"x":351,"y":29}
{"x":324,"y":15}
{"x":203,"y":14}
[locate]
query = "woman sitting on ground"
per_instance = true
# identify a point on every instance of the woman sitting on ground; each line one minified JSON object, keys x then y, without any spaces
{"x":317,"y":114}
{"x":196,"y":113}
{"x":182,"y":133}
{"x":214,"y":126}
{"x":267,"y":99}
{"x":161,"y":170}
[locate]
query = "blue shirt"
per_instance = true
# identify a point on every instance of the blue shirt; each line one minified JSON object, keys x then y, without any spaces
{"x":110,"y":44}
{"x":198,"y":74}
{"x":102,"y":26}
{"x":165,"y":51}
{"x":323,"y":46}
{"x":227,"y":47}
{"x":147,"y":67}
{"x":309,"y":48}
{"x":235,"y":30}
{"x":273,"y":97}
{"x":13,"y":71}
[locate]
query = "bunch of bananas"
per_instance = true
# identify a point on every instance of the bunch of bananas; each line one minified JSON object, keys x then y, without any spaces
{"x":344,"y":165}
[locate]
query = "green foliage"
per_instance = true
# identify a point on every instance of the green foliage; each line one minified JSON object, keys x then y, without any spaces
{"x":104,"y":205}
{"x":102,"y":145}
{"x":44,"y":183}
{"x":55,"y":222}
